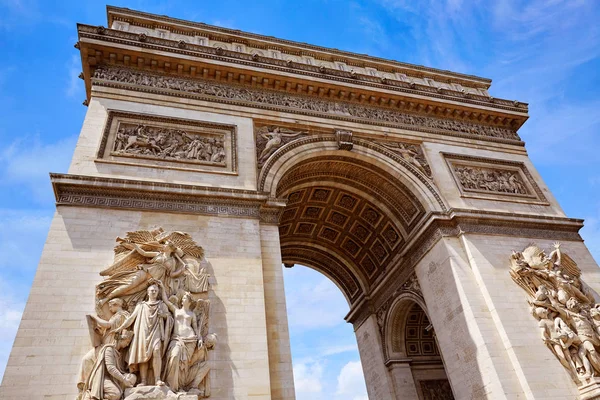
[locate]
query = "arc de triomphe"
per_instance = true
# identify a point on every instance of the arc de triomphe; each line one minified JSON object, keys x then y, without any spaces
{"x":214,"y":155}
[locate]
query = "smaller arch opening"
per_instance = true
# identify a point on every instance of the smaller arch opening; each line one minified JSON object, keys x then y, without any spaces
{"x":410,"y":340}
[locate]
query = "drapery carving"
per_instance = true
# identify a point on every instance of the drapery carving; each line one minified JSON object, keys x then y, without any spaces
{"x":568,"y":317}
{"x":152,"y":326}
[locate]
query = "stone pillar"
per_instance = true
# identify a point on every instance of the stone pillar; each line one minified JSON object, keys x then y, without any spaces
{"x":377,"y":377}
{"x":476,"y":361}
{"x":403,"y":380}
{"x":538,"y":370}
{"x":489,"y":340}
{"x":278,"y":338}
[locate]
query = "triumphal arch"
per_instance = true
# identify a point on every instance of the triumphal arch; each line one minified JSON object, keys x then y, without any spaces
{"x":209,"y":156}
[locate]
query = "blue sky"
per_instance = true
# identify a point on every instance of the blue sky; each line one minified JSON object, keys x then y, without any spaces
{"x":545,"y":53}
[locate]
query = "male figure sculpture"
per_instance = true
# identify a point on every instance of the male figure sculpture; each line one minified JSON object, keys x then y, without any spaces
{"x":152,"y":324}
{"x":107,"y":379}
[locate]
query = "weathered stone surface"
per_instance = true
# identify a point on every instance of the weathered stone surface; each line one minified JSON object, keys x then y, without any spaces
{"x":154,"y":393}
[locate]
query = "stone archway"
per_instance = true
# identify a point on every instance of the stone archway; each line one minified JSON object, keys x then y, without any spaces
{"x":350,"y":215}
{"x":412,"y":354}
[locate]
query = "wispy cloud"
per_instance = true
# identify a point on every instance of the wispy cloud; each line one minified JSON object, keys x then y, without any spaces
{"x":26,"y":163}
{"x":350,"y":382}
{"x":11,"y":309}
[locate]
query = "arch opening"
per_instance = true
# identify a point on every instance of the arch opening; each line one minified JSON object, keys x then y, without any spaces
{"x":410,"y":342}
{"x":347,"y":217}
{"x":350,"y":215}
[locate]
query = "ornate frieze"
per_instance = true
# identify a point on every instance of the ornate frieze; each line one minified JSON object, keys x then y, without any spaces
{"x":496,"y":179}
{"x":152,"y":322}
{"x":168,"y":142}
{"x":304,"y":104}
{"x":565,"y":307}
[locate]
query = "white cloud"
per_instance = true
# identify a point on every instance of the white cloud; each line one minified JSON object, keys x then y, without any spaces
{"x":313,"y":303}
{"x":11,"y":309}
{"x":27,"y":161}
{"x":351,"y":383}
{"x":307,"y":380}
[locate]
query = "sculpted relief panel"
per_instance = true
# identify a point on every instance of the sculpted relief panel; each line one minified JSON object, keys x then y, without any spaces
{"x":568,"y":316}
{"x":494,"y":179}
{"x":151,"y":335}
{"x":168,"y":142}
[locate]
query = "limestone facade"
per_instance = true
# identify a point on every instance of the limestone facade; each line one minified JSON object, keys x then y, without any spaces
{"x":409,"y":187}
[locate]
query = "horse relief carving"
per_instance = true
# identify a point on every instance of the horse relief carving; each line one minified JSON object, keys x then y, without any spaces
{"x":168,"y":144}
{"x":150,"y":336}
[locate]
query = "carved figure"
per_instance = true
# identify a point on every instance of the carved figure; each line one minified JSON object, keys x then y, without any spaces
{"x":167,"y":144}
{"x":268,"y":140}
{"x":152,"y":255}
{"x":491,"y":180}
{"x":412,"y":153}
{"x":99,"y":333}
{"x":162,"y":277}
{"x":569,"y":320}
{"x":108,"y":378}
{"x":186,"y":347}
{"x":152,"y":326}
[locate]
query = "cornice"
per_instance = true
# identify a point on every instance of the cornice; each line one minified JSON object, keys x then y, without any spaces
{"x":91,"y":37}
{"x":128,"y":194}
{"x":189,"y":27}
{"x":454,"y":223}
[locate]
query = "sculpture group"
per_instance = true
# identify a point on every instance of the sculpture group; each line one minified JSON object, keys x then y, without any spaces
{"x":568,"y":315}
{"x":490,"y":180}
{"x":151,"y":328}
{"x":164,"y":143}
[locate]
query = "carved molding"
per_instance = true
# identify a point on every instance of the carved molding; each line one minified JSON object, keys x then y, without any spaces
{"x":344,"y":139}
{"x":452,"y":224}
{"x":76,"y":190}
{"x":168,"y":142}
{"x":489,"y":178}
{"x":283,"y":101}
{"x":325,"y":262}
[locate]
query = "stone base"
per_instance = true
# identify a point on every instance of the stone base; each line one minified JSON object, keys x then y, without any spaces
{"x":590,"y":390}
{"x":156,"y":393}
